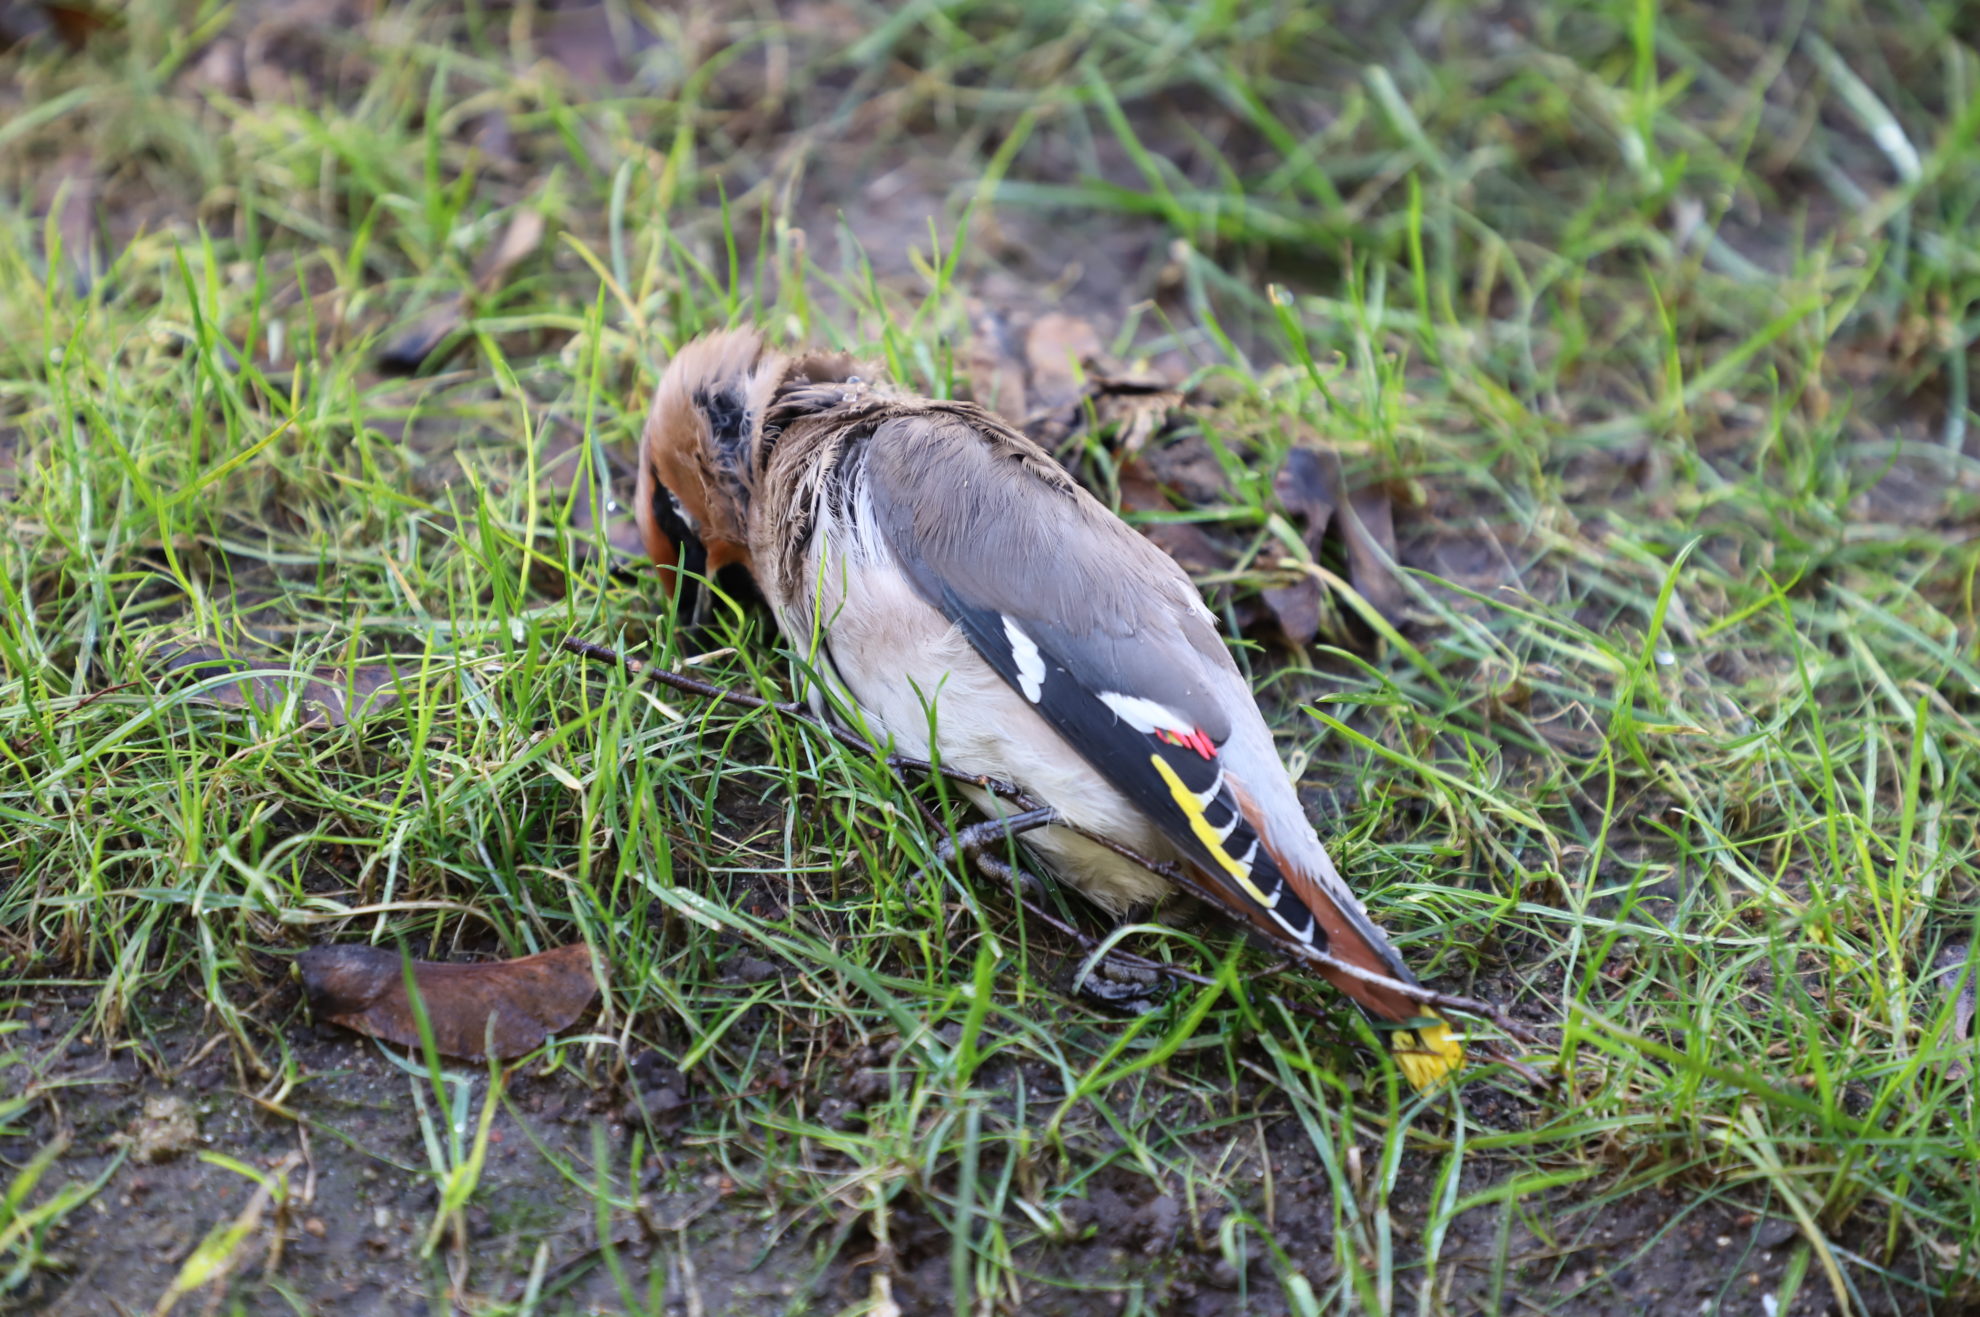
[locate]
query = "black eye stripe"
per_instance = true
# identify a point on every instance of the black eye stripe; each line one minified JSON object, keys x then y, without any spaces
{"x":672,"y":519}
{"x":674,"y":524}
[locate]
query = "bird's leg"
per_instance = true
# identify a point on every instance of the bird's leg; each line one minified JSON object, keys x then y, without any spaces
{"x":976,"y":842}
{"x":1108,"y":976}
{"x":971,"y":840}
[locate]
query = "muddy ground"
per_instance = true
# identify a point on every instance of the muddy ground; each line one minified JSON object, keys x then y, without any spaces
{"x":362,"y":1202}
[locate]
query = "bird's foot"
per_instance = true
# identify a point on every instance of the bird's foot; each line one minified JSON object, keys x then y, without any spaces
{"x":1124,"y":989}
{"x":971,"y":840}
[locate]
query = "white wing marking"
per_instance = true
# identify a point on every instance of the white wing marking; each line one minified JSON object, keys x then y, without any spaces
{"x":1030,"y":663}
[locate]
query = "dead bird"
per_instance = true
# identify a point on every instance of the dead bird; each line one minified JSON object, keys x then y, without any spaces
{"x":970,"y":599}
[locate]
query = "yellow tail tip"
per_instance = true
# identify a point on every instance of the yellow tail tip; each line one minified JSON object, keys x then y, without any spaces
{"x":1428,"y":1054}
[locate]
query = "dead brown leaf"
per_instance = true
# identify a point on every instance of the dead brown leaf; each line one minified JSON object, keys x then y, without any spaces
{"x":1059,"y":351}
{"x":522,"y":237}
{"x":505,"y":1006}
{"x":1952,"y":967}
{"x":220,"y":69}
{"x":1295,"y":608}
{"x":68,"y":189}
{"x":595,"y":45}
{"x":1133,"y":407}
{"x":1052,"y":378}
{"x":1305,"y":488}
{"x":296,"y":50}
{"x":1368,"y":525}
{"x":334,"y":695}
{"x":411,"y":347}
{"x":995,"y":363}
{"x":494,"y":138}
{"x":1312,"y":489}
{"x":77,"y":25}
{"x":1185,"y":541}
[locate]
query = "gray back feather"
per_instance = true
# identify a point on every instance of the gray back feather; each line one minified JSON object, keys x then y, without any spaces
{"x":970,"y":506}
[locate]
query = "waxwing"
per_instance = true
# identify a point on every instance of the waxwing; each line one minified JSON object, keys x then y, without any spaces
{"x":973,"y":603}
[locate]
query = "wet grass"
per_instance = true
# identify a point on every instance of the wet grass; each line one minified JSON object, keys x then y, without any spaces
{"x":1657,"y":321}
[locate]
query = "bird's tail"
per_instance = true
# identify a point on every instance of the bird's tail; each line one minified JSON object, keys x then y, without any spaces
{"x":1423,"y":1043}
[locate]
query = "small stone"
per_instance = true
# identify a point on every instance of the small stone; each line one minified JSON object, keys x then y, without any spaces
{"x":167,"y":1128}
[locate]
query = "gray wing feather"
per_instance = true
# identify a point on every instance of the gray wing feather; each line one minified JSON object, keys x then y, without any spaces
{"x":970,"y":507}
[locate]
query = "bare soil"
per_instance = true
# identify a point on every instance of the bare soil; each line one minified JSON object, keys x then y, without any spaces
{"x":362,"y":1200}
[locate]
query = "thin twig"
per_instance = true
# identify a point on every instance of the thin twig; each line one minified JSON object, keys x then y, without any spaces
{"x":1035,"y":814}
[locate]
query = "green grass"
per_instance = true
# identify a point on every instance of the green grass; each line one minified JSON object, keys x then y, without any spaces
{"x":1658,"y":320}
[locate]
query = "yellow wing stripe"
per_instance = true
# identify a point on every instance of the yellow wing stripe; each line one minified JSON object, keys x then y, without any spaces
{"x":1192,"y":809}
{"x":1429,"y":1054}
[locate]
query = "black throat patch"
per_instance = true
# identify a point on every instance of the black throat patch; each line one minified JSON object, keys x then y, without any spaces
{"x":691,"y":554}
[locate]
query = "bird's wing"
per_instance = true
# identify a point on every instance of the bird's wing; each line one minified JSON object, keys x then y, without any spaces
{"x":1109,"y":641}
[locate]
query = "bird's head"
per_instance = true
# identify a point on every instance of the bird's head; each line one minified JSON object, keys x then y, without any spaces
{"x":698,"y":460}
{"x":718,"y":413}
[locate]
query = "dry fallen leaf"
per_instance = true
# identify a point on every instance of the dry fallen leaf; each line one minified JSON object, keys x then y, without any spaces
{"x":495,"y":139}
{"x":1051,"y":377}
{"x":527,"y":999}
{"x":1368,"y":525}
{"x":334,"y":695}
{"x":523,"y":236}
{"x":1952,"y":968}
{"x":71,"y":185}
{"x":1133,"y":407}
{"x":1185,"y":541}
{"x":1057,"y":351}
{"x":1305,"y":486}
{"x":77,"y":25}
{"x":1295,"y":608}
{"x":410,"y":348}
{"x":1311,"y":488}
{"x":595,"y":45}
{"x":1305,"y":489}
